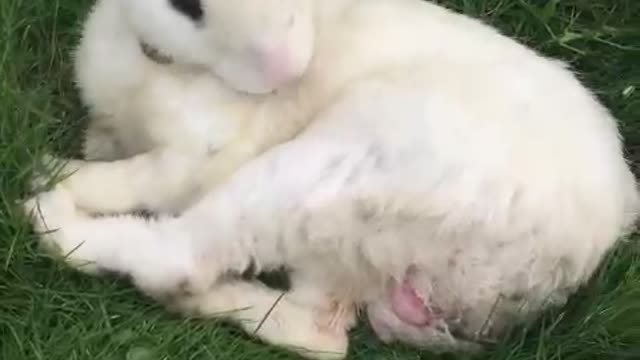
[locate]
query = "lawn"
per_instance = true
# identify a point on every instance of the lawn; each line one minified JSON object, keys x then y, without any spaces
{"x":51,"y":313}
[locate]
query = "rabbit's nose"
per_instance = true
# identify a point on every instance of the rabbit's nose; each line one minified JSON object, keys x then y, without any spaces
{"x":280,"y":65}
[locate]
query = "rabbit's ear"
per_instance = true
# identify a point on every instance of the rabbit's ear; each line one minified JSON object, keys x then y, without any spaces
{"x":190,"y":8}
{"x":172,"y":27}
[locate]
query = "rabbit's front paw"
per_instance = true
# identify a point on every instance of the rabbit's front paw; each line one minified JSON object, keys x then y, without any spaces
{"x":50,"y":167}
{"x":53,"y":213}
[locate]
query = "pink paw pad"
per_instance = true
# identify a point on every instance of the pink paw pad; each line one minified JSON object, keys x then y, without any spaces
{"x":409,"y":307}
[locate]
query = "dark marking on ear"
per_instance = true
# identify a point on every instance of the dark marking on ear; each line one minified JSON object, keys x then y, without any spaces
{"x":155,"y":55}
{"x":191,"y":8}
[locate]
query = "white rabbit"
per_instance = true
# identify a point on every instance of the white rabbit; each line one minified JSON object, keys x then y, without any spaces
{"x":189,"y":108}
{"x":451,"y":181}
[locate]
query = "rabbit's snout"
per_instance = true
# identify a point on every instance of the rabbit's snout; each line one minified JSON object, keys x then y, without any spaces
{"x":279,"y":64}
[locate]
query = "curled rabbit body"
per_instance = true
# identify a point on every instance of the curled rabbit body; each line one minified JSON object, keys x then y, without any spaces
{"x":423,"y":167}
{"x":155,"y":113}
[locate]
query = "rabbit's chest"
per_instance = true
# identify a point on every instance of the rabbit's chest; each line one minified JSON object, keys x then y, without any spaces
{"x":191,"y":115}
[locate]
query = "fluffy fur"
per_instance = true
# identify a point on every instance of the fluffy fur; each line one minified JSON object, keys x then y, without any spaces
{"x":438,"y":154}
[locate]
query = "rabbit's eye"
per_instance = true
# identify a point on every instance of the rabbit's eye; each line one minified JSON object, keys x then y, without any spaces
{"x":190,"y":8}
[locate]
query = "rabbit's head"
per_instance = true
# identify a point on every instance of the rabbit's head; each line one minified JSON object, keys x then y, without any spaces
{"x":254,"y":46}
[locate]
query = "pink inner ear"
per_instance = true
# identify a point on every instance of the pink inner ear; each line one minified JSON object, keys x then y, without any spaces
{"x":407,"y":306}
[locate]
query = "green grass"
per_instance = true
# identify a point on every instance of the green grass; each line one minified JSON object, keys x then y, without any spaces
{"x":49,"y":312}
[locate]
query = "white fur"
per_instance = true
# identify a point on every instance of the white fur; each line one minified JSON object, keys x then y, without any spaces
{"x":187,"y":110}
{"x":433,"y":141}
